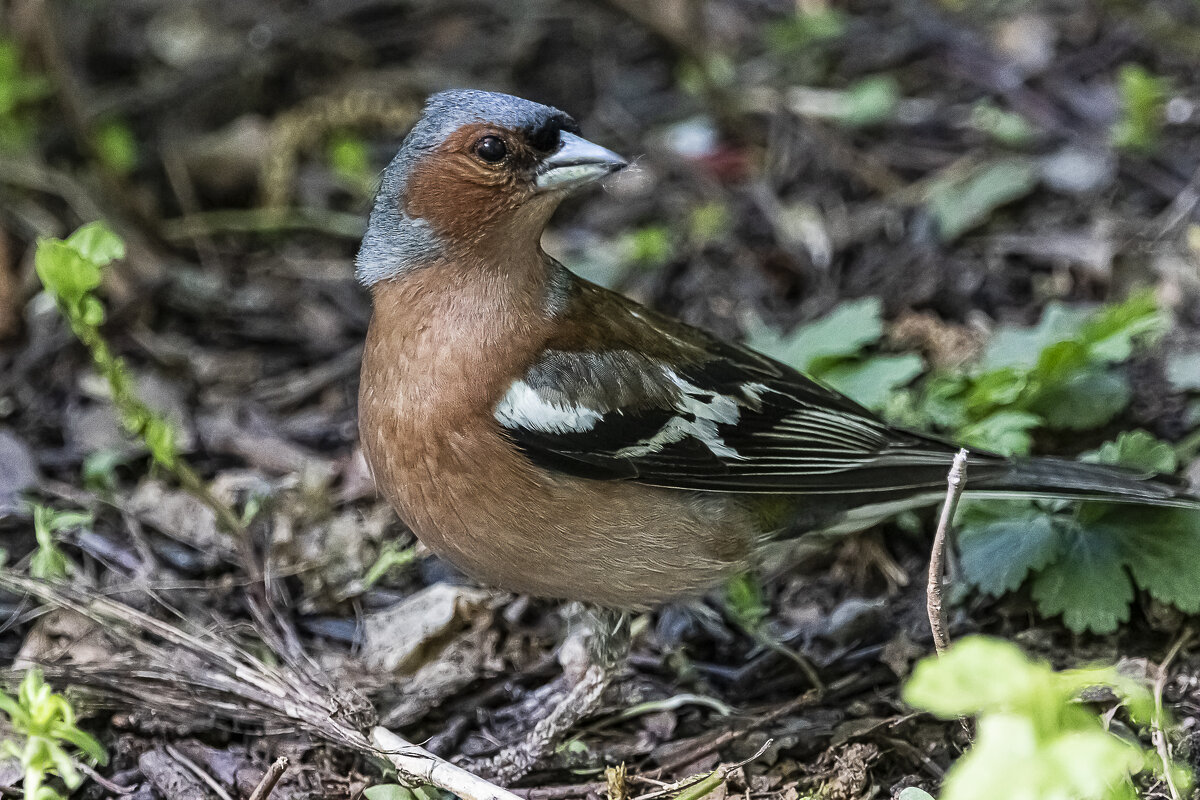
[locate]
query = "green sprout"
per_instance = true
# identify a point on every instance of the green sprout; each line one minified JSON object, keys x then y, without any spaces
{"x":49,"y":562}
{"x":1034,"y":739}
{"x":46,"y":723}
{"x":71,"y":271}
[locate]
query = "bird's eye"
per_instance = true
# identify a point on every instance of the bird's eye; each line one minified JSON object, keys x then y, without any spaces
{"x":491,"y":149}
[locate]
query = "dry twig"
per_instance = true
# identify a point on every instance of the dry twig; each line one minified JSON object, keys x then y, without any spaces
{"x":1158,"y":733}
{"x":956,"y":481}
{"x":169,"y":669}
{"x":267,"y":784}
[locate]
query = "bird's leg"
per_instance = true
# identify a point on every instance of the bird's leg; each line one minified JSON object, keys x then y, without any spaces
{"x":606,"y":648}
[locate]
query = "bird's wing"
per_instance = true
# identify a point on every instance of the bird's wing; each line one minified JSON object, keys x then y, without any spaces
{"x":624,"y":393}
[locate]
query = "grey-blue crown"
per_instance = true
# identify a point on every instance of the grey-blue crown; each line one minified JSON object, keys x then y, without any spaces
{"x":394,"y":242}
{"x":446,"y":112}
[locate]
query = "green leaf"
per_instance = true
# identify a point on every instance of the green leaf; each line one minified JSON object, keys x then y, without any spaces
{"x":1087,"y":584}
{"x":159,"y":436}
{"x":995,"y":388}
{"x":799,"y":33}
{"x":960,"y":204}
{"x":1183,"y":370}
{"x":1009,"y":760}
{"x":1136,"y":450}
{"x":388,"y":791}
{"x":1019,"y":346}
{"x":999,"y":543}
{"x":708,"y":222}
{"x":870,"y":101}
{"x":1003,"y":126}
{"x":1160,"y":546}
{"x":744,"y":600}
{"x":97,"y":243}
{"x":64,"y":272}
{"x":842,"y":333}
{"x":977,"y":674}
{"x":1143,"y":102}
{"x":913,"y":793}
{"x":872,"y":381}
{"x":1083,"y":401}
{"x":117,"y":147}
{"x":1111,"y":332}
{"x":1005,"y":432}
{"x":650,"y":246}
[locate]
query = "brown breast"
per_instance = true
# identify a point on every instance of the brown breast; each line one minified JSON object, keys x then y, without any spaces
{"x":445,"y":343}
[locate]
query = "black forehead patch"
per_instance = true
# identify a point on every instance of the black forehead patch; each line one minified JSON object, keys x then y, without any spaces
{"x":446,"y":112}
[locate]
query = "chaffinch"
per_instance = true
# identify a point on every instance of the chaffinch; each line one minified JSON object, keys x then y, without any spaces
{"x":554,"y":438}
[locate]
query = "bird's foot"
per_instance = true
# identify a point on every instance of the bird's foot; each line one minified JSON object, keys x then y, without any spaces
{"x":606,"y":647}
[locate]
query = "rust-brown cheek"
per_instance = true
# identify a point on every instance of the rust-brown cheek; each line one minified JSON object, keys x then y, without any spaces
{"x":460,"y":197}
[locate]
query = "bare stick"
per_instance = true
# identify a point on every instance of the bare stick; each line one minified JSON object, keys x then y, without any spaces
{"x":417,"y":762}
{"x":955,"y":482}
{"x":267,"y":784}
{"x":1158,"y":735}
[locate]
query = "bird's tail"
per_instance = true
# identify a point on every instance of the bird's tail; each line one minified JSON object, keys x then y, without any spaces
{"x":1053,"y":477}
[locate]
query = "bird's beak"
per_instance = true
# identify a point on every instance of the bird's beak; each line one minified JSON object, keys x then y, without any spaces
{"x":576,"y":162}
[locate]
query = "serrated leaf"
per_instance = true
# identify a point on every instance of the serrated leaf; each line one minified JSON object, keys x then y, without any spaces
{"x":1000,"y":543}
{"x":1161,"y":547}
{"x":961,"y":204}
{"x":97,"y":243}
{"x":1087,"y":583}
{"x":1084,"y":401}
{"x":872,"y":381}
{"x":1136,"y":450}
{"x":842,"y":333}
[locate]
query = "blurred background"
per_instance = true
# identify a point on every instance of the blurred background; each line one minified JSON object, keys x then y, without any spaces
{"x":914,"y":199}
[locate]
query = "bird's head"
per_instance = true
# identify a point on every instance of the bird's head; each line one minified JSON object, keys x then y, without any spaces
{"x":479,"y":170}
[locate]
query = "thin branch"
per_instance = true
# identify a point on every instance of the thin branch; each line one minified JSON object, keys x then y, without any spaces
{"x":198,"y":771}
{"x":414,"y":761}
{"x":267,"y":784}
{"x":1158,"y":734}
{"x":956,"y":481}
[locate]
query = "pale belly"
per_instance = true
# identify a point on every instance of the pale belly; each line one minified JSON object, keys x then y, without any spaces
{"x":478,"y":503}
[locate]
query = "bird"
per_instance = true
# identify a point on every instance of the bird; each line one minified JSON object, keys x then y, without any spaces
{"x":553,"y":438}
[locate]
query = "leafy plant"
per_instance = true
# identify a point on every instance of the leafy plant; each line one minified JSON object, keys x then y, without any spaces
{"x":870,"y":101}
{"x":1143,"y":100}
{"x":116,"y":146}
{"x":48,"y":561}
{"x":18,"y":91}
{"x":791,"y":36}
{"x":351,"y":163}
{"x":959,"y":203}
{"x":836,"y":350}
{"x":1033,"y":740}
{"x":71,"y":271}
{"x":44,"y":723}
{"x":1003,"y":126}
{"x":1061,"y":374}
{"x":1086,"y":559}
{"x":391,"y":556}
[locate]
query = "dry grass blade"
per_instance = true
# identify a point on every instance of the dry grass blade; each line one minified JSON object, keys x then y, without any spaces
{"x":171,"y":670}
